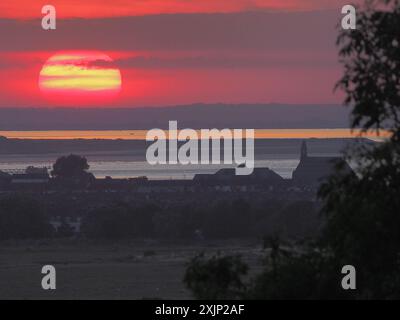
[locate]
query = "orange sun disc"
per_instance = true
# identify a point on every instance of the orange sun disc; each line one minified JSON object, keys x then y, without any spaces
{"x":80,"y":77}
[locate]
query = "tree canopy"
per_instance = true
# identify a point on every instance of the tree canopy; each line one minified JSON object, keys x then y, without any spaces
{"x":72,"y":166}
{"x":22,"y":218}
{"x":362,"y":209}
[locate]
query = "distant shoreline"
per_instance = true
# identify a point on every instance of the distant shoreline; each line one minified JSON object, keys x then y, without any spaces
{"x":126,"y":158}
{"x":337,"y":133}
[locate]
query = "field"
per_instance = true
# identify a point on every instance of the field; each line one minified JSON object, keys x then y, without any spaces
{"x":125,"y":270}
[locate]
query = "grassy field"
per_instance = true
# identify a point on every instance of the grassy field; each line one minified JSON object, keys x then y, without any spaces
{"x":128,"y":270}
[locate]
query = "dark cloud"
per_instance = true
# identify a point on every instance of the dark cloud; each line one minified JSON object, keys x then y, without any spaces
{"x":238,"y":31}
{"x":226,"y":61}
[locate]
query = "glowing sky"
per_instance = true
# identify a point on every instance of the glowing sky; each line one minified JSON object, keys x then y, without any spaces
{"x":170,"y":52}
{"x":22,"y":9}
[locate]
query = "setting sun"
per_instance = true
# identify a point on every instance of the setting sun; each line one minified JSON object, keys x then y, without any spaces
{"x":82,"y":77}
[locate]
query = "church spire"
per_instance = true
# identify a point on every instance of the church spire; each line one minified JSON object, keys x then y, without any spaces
{"x":303,"y":154}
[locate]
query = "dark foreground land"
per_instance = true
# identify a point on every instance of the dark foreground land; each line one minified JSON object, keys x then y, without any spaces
{"x":125,"y":270}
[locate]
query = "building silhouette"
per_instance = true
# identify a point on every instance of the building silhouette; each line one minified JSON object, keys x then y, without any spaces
{"x":312,"y":171}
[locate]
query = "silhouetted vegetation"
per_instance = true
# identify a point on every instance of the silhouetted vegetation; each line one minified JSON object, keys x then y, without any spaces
{"x":289,"y":272}
{"x":111,"y":217}
{"x":22,"y":218}
{"x":119,"y":221}
{"x":70,"y":166}
{"x":363,"y":227}
{"x":216,"y":220}
{"x":362,"y":209}
{"x":71,"y":172}
{"x":216,"y":278}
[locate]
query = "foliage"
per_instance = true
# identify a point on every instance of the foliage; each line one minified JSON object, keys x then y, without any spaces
{"x":289,"y":273}
{"x":70,"y":166}
{"x":225,"y":219}
{"x":363,"y":221}
{"x":217,"y":278}
{"x":119,"y":221}
{"x":363,"y":209}
{"x":22,"y":218}
{"x":371,"y":58}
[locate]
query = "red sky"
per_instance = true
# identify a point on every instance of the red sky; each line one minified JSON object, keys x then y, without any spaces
{"x":180,"y":51}
{"x":23,"y":9}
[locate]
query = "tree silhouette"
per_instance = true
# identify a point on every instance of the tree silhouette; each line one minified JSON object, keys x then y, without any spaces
{"x":371,"y":58}
{"x":72,"y":166}
{"x":363,"y":210}
{"x":22,"y":218}
{"x":217,"y":278}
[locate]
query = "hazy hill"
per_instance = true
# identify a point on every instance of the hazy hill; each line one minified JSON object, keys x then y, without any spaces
{"x":265,"y":116}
